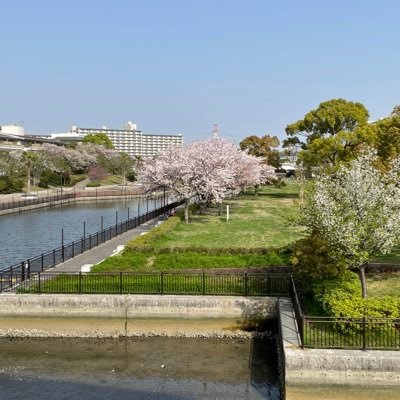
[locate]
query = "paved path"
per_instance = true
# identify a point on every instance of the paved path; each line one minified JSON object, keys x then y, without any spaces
{"x":105,"y":250}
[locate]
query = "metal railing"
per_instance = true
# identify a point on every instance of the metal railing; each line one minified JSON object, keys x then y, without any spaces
{"x":38,"y":200}
{"x":365,"y":333}
{"x":66,"y":252}
{"x":297,"y":309}
{"x":281,"y":357}
{"x":193,"y":283}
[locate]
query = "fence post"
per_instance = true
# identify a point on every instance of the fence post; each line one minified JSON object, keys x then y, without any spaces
{"x":120,"y":282}
{"x":80,"y":282}
{"x":22,"y":271}
{"x":54,"y":257}
{"x":39,"y":287}
{"x":73,"y":250}
{"x":162,"y":282}
{"x":245,"y":284}
{"x":364,"y":336}
{"x":28,"y":266}
{"x":42,"y":262}
{"x":11,"y":277}
{"x":204,"y":283}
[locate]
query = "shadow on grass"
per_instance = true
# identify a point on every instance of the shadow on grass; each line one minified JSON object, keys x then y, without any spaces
{"x":249,"y":196}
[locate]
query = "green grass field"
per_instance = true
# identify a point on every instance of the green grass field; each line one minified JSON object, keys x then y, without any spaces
{"x":259,"y":223}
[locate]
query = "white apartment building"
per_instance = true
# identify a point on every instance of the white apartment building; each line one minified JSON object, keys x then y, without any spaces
{"x":129,"y":139}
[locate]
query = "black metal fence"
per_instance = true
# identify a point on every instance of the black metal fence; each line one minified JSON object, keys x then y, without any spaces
{"x":66,"y":252}
{"x":366,"y":333}
{"x":37,"y":200}
{"x":194,"y":283}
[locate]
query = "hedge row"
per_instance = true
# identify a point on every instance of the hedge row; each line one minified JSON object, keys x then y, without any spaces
{"x":341,"y":297}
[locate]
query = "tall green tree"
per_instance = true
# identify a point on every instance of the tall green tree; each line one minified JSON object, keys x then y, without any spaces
{"x":328,"y":119}
{"x":265,"y":147}
{"x":331,"y":133}
{"x":98,"y":138}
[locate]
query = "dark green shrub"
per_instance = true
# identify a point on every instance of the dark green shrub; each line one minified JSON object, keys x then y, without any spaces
{"x":52,"y":178}
{"x":311,"y":257}
{"x":9,"y":185}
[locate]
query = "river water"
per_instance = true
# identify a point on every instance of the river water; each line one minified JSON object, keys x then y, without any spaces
{"x":142,"y":368}
{"x":28,"y":234}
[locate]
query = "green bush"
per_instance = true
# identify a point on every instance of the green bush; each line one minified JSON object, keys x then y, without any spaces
{"x":52,"y":178}
{"x":341,"y":297}
{"x":9,"y":185}
{"x":311,"y":256}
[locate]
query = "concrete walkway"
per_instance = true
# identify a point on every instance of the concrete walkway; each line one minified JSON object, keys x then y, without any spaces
{"x":99,"y":253}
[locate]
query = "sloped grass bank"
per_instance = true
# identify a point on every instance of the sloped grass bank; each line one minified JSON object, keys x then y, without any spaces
{"x":257,"y":235}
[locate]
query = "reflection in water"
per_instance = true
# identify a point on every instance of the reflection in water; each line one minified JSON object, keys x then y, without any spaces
{"x":143,"y":368}
{"x":28,"y":234}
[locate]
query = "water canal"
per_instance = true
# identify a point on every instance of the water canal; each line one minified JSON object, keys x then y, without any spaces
{"x":141,"y":368}
{"x":30,"y":233}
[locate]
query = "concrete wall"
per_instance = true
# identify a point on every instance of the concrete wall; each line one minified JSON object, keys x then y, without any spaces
{"x":137,"y":306}
{"x":336,"y":367}
{"x":36,"y":206}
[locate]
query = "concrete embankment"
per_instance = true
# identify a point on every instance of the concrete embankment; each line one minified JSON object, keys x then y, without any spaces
{"x":131,"y":315}
{"x":58,"y":203}
{"x":333,"y":367}
{"x":65,"y":202}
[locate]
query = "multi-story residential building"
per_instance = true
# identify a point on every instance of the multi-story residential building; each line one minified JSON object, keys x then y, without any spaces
{"x":129,"y":139}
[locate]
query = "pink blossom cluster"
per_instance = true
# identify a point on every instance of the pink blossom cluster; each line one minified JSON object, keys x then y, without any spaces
{"x":212,"y":169}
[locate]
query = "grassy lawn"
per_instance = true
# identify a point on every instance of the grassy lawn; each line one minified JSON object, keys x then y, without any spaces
{"x":255,"y":221}
{"x":383,"y":284}
{"x":255,"y":236}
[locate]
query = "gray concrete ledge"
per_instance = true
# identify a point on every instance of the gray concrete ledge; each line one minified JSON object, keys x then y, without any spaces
{"x":137,"y":306}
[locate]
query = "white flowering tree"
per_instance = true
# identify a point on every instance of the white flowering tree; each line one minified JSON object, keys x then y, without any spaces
{"x":356,"y":211}
{"x":211,"y":169}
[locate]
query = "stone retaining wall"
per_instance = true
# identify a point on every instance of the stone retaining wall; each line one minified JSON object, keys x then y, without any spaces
{"x":137,"y":306}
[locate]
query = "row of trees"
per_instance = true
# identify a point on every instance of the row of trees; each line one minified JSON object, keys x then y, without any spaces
{"x":63,"y":161}
{"x":211,"y":169}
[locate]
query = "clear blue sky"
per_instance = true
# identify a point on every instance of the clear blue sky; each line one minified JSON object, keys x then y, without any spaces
{"x":178,"y":66}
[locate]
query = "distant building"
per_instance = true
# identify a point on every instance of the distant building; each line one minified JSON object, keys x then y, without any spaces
{"x":13,"y":137}
{"x":129,"y":139}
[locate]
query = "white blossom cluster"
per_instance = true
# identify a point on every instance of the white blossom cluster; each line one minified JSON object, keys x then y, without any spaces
{"x":356,"y":209}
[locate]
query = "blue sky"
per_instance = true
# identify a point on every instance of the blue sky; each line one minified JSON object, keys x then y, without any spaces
{"x":175,"y":66}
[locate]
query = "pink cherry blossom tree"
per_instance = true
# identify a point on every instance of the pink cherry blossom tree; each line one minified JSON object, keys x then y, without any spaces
{"x":211,"y":169}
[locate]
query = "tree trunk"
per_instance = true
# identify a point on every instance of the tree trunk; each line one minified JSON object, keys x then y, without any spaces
{"x":363,"y":282}
{"x":186,"y":212}
{"x":219,"y":209}
{"x":29,"y":181}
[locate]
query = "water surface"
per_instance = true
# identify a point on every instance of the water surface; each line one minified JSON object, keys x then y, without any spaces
{"x":143,"y":368}
{"x":30,"y":233}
